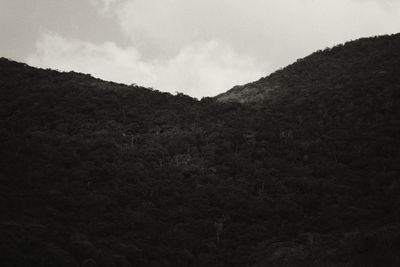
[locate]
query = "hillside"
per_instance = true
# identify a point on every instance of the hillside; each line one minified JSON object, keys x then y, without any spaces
{"x":95,"y":173}
{"x":358,"y":64}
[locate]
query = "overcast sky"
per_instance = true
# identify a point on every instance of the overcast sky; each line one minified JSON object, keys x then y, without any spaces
{"x":198,"y":47}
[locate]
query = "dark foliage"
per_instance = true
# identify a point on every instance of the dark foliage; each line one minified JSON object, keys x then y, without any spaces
{"x":94,"y":173}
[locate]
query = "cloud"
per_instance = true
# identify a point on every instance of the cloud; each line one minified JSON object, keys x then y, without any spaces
{"x":205,"y":47}
{"x":277,"y":31}
{"x":198,"y":69}
{"x":103,"y":5}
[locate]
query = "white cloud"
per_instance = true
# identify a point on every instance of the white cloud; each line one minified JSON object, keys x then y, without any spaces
{"x":278,"y":31}
{"x":205,"y":47}
{"x":104,"y":5}
{"x":199,"y":69}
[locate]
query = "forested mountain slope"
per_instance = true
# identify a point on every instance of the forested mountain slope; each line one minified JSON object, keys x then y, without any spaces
{"x":94,"y":173}
{"x":365,"y":64}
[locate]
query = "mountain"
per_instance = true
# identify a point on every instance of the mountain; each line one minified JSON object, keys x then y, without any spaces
{"x":358,"y":64}
{"x":302,"y":173}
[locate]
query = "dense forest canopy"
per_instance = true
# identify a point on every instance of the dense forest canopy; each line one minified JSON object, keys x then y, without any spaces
{"x":300,"y":168}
